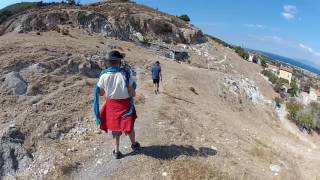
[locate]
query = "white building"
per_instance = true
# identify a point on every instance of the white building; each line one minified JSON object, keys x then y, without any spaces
{"x":250,"y":58}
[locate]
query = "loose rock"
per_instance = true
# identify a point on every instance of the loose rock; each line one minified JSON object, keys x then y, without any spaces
{"x":15,"y":84}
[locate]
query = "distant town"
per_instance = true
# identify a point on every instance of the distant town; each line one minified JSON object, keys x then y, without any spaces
{"x":288,"y":79}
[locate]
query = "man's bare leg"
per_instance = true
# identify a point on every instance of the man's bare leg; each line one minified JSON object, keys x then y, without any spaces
{"x":132,"y":137}
{"x":116,"y":142}
{"x":155,"y":87}
{"x":134,"y":144}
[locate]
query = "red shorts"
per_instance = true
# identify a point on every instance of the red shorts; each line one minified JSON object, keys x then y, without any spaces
{"x":112,"y":119}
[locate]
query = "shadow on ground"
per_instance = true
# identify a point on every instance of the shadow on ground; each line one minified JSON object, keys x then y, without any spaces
{"x":173,"y":151}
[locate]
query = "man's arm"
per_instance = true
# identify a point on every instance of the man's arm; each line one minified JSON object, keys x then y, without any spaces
{"x":101,"y":92}
{"x":100,"y":84}
{"x":131,"y":91}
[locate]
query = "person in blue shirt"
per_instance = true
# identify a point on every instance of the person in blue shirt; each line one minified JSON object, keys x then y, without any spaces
{"x":156,"y":76}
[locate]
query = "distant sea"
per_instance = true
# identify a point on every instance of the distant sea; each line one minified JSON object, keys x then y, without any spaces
{"x":293,"y":62}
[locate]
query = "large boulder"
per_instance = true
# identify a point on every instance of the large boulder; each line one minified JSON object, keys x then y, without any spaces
{"x":14,"y":158}
{"x":89,"y":69}
{"x":15,"y":84}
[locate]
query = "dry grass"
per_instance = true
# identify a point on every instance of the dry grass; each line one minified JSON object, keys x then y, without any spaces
{"x":139,"y":99}
{"x":262,"y":151}
{"x":193,"y":169}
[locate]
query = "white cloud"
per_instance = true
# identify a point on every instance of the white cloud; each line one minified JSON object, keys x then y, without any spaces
{"x":272,"y":38}
{"x":255,"y":26}
{"x":290,"y":9}
{"x":277,"y":39}
{"x":289,"y":12}
{"x":288,"y":15}
{"x":309,"y":49}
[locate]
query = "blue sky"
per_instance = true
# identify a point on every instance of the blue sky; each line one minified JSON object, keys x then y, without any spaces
{"x":286,"y":27}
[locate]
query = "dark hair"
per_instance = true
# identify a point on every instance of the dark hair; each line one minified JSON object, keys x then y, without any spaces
{"x":157,"y":62}
{"x":114,"y":56}
{"x":112,"y":63}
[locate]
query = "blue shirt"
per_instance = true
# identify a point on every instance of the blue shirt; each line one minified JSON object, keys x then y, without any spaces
{"x":156,"y":70}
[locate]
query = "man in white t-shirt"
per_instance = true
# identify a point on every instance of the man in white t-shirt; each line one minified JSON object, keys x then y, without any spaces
{"x":118,"y":114}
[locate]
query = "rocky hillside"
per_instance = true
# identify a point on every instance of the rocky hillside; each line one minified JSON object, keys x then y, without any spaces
{"x":213,"y":119}
{"x":126,"y":21}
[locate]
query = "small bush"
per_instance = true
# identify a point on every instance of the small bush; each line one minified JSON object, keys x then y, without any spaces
{"x":305,"y":120}
{"x":242,"y":52}
{"x":264,"y":63}
{"x":293,"y":110}
{"x":317,"y":127}
{"x":219,"y":41}
{"x":272,"y":77}
{"x":294,"y":88}
{"x":185,"y":17}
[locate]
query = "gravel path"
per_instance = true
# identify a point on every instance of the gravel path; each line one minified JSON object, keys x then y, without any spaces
{"x":289,"y":126}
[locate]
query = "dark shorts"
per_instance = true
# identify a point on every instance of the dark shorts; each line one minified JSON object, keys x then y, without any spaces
{"x":155,"y":81}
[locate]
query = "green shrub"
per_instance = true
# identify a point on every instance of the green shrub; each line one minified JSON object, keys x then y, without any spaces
{"x":294,"y":88}
{"x":318,"y":125}
{"x":308,"y":119}
{"x":219,"y":41}
{"x":264,"y":63}
{"x":305,"y":120}
{"x":315,"y":110}
{"x":272,"y":77}
{"x":278,"y":87}
{"x":293,"y":110}
{"x":185,"y":17}
{"x":242,"y":52}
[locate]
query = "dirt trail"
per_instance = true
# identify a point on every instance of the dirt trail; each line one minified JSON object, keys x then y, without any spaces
{"x":282,"y":113}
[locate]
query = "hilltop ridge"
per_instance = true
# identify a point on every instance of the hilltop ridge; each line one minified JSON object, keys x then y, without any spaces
{"x":123,"y":20}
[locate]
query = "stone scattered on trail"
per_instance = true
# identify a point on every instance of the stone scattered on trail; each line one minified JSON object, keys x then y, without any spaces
{"x":275,"y":168}
{"x":192,"y":89}
{"x":164,"y":174}
{"x":15,"y":83}
{"x":14,"y":157}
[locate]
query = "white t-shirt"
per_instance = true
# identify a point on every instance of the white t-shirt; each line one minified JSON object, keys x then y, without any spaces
{"x":114,"y":85}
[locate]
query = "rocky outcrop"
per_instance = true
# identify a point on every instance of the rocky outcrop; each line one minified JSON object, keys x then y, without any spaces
{"x":14,"y":158}
{"x":242,"y":88}
{"x":89,"y":69}
{"x":125,"y":21}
